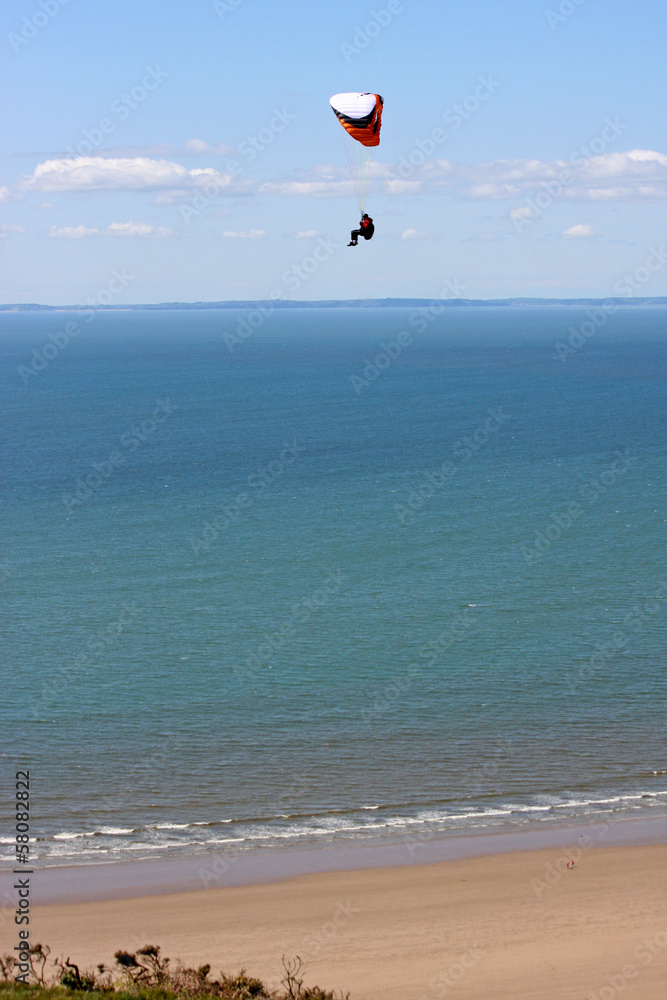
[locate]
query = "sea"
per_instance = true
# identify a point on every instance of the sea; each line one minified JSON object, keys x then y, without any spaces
{"x":280,"y":578}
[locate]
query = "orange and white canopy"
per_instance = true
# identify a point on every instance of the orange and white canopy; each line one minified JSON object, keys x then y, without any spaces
{"x":360,"y":115}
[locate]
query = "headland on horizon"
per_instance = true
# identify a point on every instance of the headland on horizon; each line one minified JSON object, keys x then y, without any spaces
{"x":657,"y":300}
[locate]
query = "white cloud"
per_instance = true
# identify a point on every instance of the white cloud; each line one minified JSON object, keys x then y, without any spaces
{"x":636,"y":175}
{"x":72,"y":232}
{"x":191,"y":147}
{"x":7,"y":229}
{"x":140,"y":173}
{"x":307,"y":234}
{"x":402,"y":187}
{"x":250,"y":234}
{"x":157,"y":150}
{"x":493,"y":191}
{"x":646,"y":155}
{"x":522,"y":213}
{"x":198,"y":147}
{"x":46,"y":204}
{"x":313,"y":189}
{"x":580,"y":231}
{"x":7,"y":195}
{"x":416,"y":234}
{"x":129,"y":229}
{"x":123,"y":229}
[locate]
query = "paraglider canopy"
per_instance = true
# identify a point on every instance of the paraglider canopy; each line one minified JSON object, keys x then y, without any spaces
{"x":361,"y":117}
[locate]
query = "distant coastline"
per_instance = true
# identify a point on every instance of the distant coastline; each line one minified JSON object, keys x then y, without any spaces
{"x":659,"y":300}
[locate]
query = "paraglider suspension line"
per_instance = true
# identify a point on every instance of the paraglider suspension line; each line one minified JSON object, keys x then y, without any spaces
{"x":359,"y":161}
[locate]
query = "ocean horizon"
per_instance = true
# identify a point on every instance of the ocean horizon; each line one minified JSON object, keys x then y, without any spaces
{"x":324,"y":576}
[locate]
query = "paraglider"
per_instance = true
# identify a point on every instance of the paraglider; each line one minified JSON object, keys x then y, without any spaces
{"x":361,"y":117}
{"x":366,"y":229}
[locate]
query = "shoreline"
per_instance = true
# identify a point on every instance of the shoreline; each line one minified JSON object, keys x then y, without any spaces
{"x":122,"y":880}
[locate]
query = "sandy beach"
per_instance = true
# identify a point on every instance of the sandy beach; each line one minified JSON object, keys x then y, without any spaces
{"x":515,"y":925}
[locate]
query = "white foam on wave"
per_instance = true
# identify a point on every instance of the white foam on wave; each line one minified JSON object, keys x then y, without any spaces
{"x":225,"y":840}
{"x":213,"y":822}
{"x":147,"y":847}
{"x":480,"y":815}
{"x":84,"y":850}
{"x":340,"y":824}
{"x":68,"y":835}
{"x":293,"y":833}
{"x":613,"y":800}
{"x":353,"y":829}
{"x":390,"y":821}
{"x":104,"y":831}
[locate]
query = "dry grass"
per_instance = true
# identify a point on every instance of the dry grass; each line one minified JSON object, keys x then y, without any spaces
{"x":147,"y":975}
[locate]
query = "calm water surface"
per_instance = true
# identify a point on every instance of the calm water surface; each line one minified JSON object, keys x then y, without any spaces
{"x":305,"y":590}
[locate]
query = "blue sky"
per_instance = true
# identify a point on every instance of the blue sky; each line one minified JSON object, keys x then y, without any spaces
{"x":129,"y":130}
